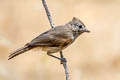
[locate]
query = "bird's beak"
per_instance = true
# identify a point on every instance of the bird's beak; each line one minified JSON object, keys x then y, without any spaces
{"x":86,"y":30}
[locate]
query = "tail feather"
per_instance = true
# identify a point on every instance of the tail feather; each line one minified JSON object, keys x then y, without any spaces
{"x":18,"y":52}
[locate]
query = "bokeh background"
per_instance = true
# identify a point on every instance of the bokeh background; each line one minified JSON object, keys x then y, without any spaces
{"x":93,"y":56}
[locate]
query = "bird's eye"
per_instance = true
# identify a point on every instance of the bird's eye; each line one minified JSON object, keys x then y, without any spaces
{"x":80,"y":26}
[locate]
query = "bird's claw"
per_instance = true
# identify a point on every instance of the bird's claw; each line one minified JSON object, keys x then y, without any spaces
{"x":63,"y":60}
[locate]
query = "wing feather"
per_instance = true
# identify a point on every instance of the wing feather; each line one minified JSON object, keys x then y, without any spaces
{"x":53,"y":38}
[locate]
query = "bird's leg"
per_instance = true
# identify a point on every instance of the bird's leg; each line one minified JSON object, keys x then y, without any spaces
{"x":61,"y":59}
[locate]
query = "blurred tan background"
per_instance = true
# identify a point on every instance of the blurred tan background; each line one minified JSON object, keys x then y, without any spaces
{"x":94,"y":56}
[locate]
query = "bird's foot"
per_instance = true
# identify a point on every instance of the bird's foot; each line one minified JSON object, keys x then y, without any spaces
{"x":63,"y":60}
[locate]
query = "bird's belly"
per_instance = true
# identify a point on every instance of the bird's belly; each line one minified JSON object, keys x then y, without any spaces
{"x":51,"y":49}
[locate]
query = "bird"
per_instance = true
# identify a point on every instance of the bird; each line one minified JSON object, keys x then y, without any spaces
{"x":55,"y":39}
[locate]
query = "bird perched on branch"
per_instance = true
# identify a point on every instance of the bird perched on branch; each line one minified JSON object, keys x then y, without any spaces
{"x":55,"y":39}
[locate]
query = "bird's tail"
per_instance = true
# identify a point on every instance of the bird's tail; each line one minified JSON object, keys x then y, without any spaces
{"x":19,"y":51}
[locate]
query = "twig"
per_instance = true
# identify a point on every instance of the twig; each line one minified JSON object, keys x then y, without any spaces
{"x":65,"y":66}
{"x":48,"y":13}
{"x":52,"y":26}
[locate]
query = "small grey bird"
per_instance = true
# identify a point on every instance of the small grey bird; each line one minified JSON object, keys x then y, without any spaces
{"x":55,"y":39}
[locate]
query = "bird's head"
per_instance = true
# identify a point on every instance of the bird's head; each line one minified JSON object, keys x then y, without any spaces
{"x":78,"y":26}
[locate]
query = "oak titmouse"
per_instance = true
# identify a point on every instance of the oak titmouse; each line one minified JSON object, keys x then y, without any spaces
{"x":55,"y":39}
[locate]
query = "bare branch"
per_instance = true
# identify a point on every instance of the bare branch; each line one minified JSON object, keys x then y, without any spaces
{"x":65,"y":66}
{"x":48,"y":13}
{"x":52,"y":26}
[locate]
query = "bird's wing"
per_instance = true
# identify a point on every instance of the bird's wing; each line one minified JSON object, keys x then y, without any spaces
{"x":52,"y":38}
